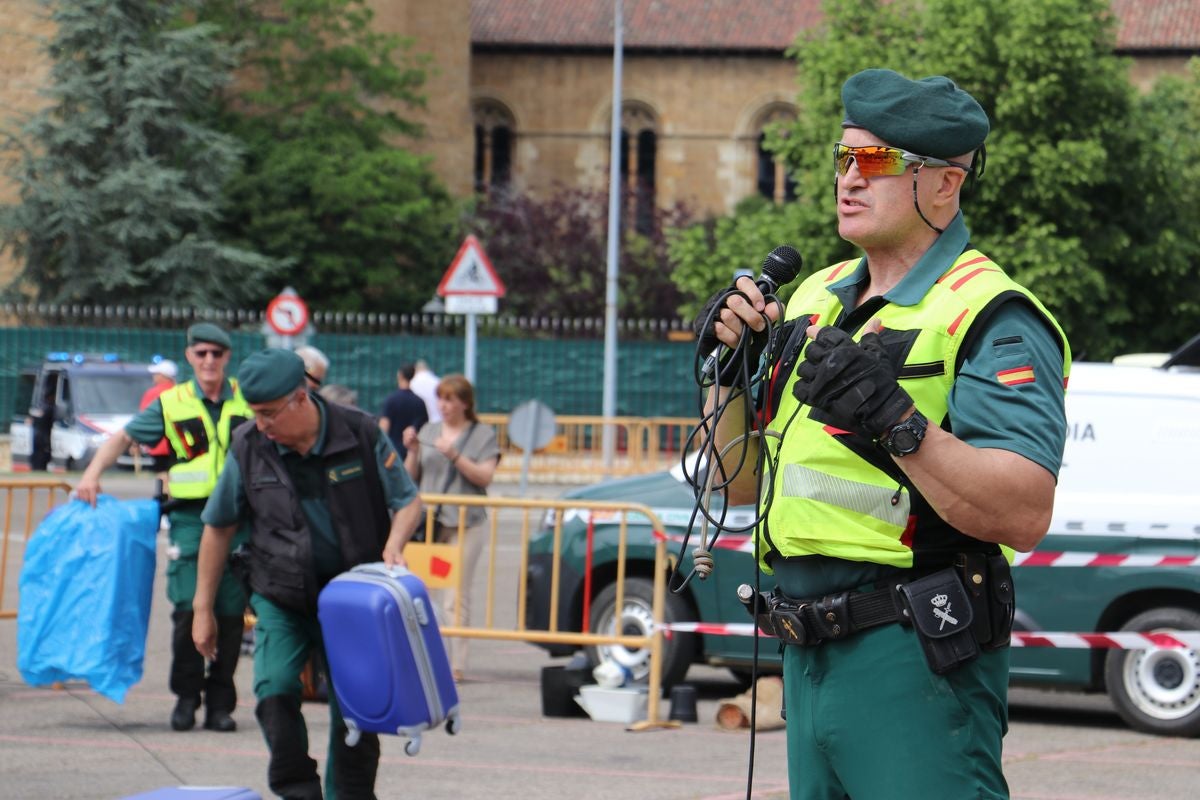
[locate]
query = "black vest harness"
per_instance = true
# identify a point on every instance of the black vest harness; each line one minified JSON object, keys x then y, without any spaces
{"x":280,"y":547}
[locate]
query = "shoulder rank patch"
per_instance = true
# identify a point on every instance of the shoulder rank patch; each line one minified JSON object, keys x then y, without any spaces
{"x":1016,"y":376}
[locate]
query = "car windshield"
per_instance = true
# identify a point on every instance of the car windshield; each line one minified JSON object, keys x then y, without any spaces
{"x":108,"y":394}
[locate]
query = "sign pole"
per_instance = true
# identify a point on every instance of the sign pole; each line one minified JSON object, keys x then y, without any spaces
{"x":469,"y":355}
{"x":609,"y":394}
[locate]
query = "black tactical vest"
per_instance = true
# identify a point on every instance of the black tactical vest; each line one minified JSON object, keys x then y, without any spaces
{"x":280,"y":547}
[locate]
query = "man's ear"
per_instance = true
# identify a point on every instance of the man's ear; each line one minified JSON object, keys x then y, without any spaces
{"x":948,"y":187}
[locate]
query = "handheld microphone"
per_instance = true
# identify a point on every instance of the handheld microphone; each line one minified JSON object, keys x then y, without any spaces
{"x":780,"y":267}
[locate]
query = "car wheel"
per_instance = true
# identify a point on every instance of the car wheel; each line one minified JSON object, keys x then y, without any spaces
{"x":1157,"y":691}
{"x":637,"y":620}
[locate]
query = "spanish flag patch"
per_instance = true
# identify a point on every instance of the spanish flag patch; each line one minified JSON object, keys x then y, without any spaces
{"x":1016,"y":376}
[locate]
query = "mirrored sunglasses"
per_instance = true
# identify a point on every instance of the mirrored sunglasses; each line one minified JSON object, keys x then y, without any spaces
{"x":876,"y":161}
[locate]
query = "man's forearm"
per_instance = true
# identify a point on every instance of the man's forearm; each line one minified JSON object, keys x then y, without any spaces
{"x":108,"y":453}
{"x":730,"y":425}
{"x":989,"y":494}
{"x":214,"y":552}
{"x":404,"y":523}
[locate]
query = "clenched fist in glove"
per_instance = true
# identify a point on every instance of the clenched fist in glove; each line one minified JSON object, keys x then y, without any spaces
{"x":732,"y":362}
{"x":852,"y":382}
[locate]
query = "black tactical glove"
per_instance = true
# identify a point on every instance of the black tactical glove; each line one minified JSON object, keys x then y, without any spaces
{"x":729,"y":367}
{"x":854,"y":383}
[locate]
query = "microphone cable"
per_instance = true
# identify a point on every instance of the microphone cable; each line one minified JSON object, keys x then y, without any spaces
{"x":711,"y":470}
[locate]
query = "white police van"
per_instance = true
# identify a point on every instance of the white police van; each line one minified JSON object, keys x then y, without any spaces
{"x":91,"y":396}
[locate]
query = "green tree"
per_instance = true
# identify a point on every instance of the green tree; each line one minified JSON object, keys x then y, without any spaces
{"x":120,"y":177}
{"x":1079,"y":200}
{"x":325,"y":184}
{"x":552,"y":253}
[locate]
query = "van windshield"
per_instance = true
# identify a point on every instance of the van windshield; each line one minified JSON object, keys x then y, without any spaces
{"x":108,"y":394}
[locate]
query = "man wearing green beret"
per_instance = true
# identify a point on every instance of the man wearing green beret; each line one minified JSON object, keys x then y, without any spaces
{"x":324,"y":491}
{"x":918,"y":391}
{"x":197,"y":418}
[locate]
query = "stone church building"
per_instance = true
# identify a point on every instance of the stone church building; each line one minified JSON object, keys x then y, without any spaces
{"x":521,"y":90}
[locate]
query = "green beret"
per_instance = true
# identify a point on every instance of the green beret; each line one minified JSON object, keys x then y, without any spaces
{"x":207,"y":332}
{"x":270,"y":374}
{"x":929,"y":117}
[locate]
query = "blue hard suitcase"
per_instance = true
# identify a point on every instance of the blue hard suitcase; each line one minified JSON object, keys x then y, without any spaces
{"x":387,"y":661}
{"x":198,"y":793}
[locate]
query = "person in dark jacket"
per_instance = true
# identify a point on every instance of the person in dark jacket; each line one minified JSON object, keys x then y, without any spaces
{"x":403,"y":409}
{"x":324,"y":491}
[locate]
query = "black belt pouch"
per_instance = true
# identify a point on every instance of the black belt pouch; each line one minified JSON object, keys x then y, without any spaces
{"x":941,"y":614}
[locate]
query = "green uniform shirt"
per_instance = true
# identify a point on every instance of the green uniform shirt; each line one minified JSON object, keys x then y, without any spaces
{"x":1027,"y":419}
{"x":227,"y":505}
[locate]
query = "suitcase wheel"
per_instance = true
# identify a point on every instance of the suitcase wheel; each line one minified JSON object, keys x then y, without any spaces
{"x":453,"y":725}
{"x":413,"y":746}
{"x":353,"y":734}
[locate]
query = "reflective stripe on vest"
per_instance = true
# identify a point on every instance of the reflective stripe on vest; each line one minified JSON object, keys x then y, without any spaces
{"x":827,"y":499}
{"x":878,"y":502}
{"x":184,"y":417}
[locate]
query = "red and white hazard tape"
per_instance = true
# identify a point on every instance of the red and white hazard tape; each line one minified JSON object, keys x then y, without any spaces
{"x":1122,"y":640}
{"x":1037,"y":558}
{"x":1077,"y":559}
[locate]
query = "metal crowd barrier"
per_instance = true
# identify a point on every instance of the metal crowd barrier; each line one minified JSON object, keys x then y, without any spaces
{"x":509,"y":523}
{"x":25,"y":503}
{"x":575,"y":454}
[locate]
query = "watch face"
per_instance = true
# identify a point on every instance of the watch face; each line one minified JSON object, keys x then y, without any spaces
{"x":904,"y":441}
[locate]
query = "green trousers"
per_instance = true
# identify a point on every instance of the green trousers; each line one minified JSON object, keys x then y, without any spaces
{"x":283,"y":642}
{"x":868,"y":720}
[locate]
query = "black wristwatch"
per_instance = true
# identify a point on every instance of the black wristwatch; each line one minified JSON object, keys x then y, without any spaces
{"x":904,"y":438}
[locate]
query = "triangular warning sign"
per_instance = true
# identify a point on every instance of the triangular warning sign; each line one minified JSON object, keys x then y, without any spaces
{"x":471,"y":273}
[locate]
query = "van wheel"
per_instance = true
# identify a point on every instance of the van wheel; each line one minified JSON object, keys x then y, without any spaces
{"x":1157,"y":691}
{"x":637,"y":620}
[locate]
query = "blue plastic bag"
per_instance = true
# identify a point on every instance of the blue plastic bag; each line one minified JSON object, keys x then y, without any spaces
{"x":85,"y":591}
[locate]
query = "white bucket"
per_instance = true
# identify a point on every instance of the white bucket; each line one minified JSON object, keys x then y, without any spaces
{"x":626,"y":705}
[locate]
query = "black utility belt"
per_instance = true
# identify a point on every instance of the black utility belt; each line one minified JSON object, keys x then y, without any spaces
{"x":955,"y":611}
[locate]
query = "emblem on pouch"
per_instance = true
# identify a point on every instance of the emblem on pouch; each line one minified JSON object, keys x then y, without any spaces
{"x":938,"y":601}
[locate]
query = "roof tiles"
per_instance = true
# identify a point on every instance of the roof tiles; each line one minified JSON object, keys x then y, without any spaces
{"x":751,"y":24}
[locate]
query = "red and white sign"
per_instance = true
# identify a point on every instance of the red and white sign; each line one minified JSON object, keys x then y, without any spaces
{"x":471,"y":284}
{"x":287,"y":314}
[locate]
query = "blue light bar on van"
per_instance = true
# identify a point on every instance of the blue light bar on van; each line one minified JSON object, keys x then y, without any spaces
{"x":58,"y":356}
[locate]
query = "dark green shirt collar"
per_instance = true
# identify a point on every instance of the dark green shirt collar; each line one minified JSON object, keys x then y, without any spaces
{"x":226,"y":390}
{"x":917,"y":283}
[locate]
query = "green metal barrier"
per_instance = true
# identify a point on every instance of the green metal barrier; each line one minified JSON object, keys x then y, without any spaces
{"x":557,"y":361}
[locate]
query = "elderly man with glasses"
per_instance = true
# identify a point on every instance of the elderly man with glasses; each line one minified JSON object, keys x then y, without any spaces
{"x":917,"y":394}
{"x":197,"y":418}
{"x":324,"y":491}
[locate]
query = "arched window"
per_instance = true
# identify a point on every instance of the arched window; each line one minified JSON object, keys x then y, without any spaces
{"x":774,"y":181}
{"x":639,"y":149}
{"x":494,"y":136}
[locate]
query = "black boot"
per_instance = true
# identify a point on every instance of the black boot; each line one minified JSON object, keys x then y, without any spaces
{"x":183,"y":718}
{"x":291,"y":773}
{"x":220,"y":695}
{"x":187,"y":672}
{"x":354,"y":768}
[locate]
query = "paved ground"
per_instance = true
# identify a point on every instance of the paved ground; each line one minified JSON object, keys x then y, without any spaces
{"x":73,"y":743}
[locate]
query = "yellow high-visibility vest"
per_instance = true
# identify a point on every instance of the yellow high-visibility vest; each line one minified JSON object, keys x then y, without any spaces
{"x":829,"y":501}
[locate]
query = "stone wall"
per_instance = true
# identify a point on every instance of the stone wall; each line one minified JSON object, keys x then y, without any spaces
{"x":706,"y":112}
